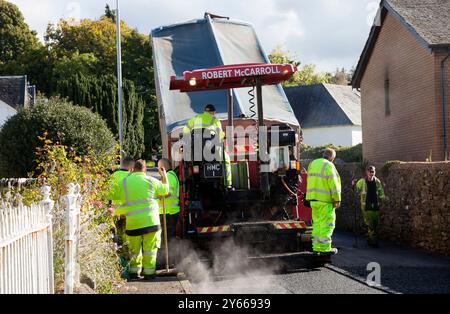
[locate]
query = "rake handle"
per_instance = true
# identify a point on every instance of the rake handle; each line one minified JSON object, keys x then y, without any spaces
{"x":166,"y":245}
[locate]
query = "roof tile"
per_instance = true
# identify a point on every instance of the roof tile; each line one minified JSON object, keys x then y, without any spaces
{"x":324,"y":105}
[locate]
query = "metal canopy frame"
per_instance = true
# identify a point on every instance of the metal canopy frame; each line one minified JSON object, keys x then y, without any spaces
{"x":238,"y":76}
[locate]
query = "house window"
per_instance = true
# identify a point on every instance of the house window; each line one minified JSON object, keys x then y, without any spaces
{"x":387,"y":103}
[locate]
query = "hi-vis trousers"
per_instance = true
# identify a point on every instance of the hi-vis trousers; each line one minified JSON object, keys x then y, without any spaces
{"x":372,"y":220}
{"x":324,"y":219}
{"x":143,"y":251}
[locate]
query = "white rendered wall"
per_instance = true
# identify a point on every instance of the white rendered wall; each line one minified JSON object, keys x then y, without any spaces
{"x":337,"y":135}
{"x":6,"y":111}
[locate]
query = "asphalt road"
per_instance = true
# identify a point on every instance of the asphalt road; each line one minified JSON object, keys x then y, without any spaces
{"x":402,"y":270}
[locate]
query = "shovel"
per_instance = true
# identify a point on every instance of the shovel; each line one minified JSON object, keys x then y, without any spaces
{"x":167,"y":271}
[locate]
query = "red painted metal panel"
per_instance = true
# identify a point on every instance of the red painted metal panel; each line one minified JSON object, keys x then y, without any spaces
{"x":305,"y":213}
{"x":232,"y":76}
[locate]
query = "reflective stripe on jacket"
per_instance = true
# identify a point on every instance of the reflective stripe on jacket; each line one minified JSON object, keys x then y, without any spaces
{"x":138,"y":195}
{"x":204,"y":121}
{"x":173,"y":199}
{"x":324,"y":182}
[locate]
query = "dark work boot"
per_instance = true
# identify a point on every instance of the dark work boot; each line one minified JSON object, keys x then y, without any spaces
{"x":320,"y":259}
{"x":134,"y":277}
{"x":149,"y":277}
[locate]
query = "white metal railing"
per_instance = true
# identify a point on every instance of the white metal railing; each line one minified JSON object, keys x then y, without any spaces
{"x":26,"y":245}
{"x":72,"y":202}
{"x":26,"y":242}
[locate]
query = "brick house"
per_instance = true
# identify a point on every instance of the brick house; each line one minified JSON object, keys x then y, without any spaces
{"x":403,"y":74}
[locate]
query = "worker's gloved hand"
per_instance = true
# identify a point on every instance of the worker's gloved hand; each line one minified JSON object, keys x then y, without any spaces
{"x":336,"y":205}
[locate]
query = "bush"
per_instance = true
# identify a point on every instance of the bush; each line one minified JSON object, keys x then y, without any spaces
{"x":62,"y":122}
{"x":347,"y":154}
{"x":387,"y":166}
{"x":99,"y":93}
{"x":97,"y":254}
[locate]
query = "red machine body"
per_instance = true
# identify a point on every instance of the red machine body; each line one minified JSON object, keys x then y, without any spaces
{"x":260,"y":184}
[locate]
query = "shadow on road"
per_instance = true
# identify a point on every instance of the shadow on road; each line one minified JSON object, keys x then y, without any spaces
{"x":403,"y":269}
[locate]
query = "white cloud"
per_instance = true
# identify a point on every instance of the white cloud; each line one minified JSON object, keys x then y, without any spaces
{"x":329,"y":33}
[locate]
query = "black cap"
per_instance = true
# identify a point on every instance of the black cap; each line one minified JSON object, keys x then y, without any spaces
{"x":210,"y":107}
{"x":371,"y":168}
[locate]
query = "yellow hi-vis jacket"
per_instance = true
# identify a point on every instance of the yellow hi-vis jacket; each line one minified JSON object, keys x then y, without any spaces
{"x":361,"y":188}
{"x":324,"y":182}
{"x":116,"y":178}
{"x":204,"y":121}
{"x":138,"y":195}
{"x":173,"y":199}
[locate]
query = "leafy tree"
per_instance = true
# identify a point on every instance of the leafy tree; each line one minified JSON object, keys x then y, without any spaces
{"x":111,"y":14}
{"x":100,"y":95}
{"x":347,"y":154}
{"x":16,"y":38}
{"x":152,"y":133}
{"x":18,"y":43}
{"x":89,"y":36}
{"x":280,"y":56}
{"x":96,"y":39}
{"x":138,"y":64}
{"x":309,"y":76}
{"x":87,"y":49}
{"x":350,"y":74}
{"x":341,"y":77}
{"x":62,"y":122}
{"x":83,"y":64}
{"x":305,"y":76}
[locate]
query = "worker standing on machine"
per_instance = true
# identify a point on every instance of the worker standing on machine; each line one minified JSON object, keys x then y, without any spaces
{"x":208,"y":121}
{"x":323,"y":191}
{"x":138,"y":194}
{"x":172,"y":204}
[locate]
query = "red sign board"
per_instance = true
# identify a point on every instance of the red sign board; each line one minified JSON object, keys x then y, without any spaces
{"x":232,"y":76}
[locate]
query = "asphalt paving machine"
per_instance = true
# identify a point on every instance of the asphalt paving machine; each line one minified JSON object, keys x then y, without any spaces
{"x":220,"y":61}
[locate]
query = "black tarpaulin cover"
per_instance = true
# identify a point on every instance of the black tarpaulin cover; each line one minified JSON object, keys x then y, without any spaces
{"x":206,"y":43}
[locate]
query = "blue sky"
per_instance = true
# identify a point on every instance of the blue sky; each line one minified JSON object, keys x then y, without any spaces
{"x":328,"y":33}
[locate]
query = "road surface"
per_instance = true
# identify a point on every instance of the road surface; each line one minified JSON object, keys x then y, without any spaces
{"x":402,"y":270}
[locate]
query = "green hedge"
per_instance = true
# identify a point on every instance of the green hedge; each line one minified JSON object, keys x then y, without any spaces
{"x":100,"y":95}
{"x":347,"y":154}
{"x":63,"y":122}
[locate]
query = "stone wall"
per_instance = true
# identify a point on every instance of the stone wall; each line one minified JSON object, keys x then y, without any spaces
{"x":417,"y":212}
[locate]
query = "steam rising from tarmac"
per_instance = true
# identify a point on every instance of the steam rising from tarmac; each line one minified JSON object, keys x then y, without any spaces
{"x":229,"y":269}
